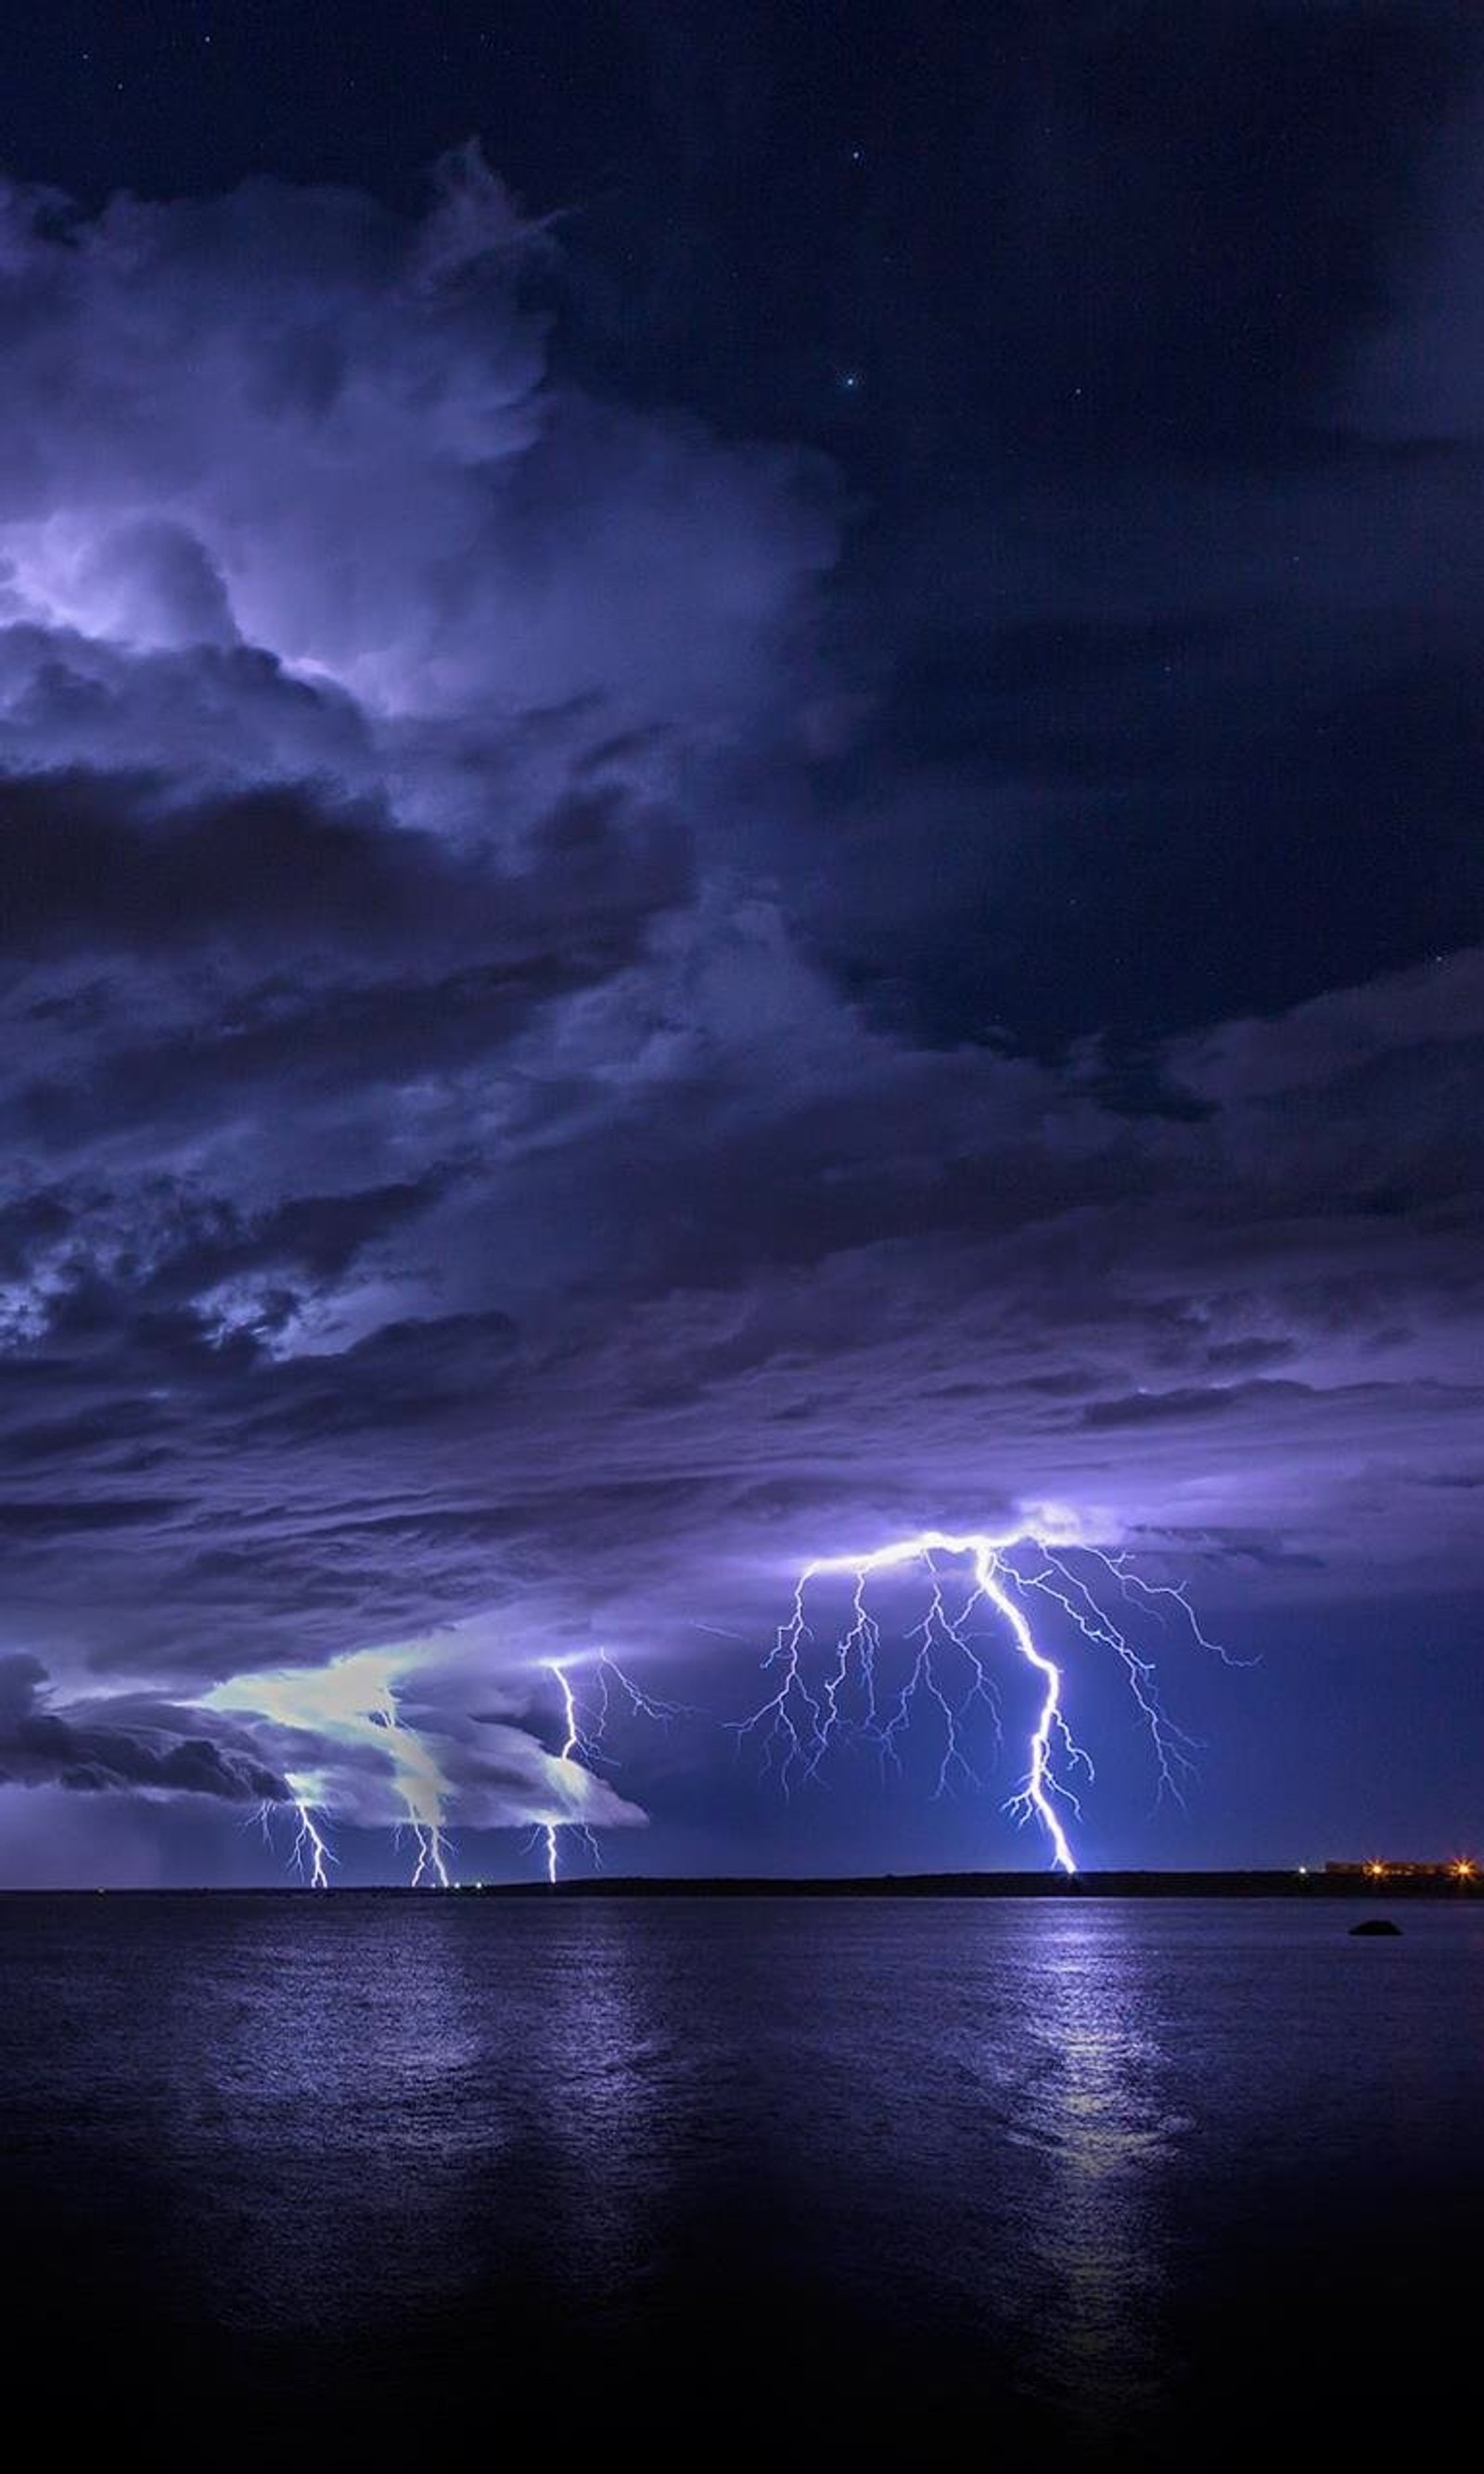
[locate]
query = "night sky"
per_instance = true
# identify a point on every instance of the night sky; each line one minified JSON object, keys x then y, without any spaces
{"x":740,"y":785}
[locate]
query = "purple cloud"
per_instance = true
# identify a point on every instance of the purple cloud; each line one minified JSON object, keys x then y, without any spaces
{"x":451,"y":1192}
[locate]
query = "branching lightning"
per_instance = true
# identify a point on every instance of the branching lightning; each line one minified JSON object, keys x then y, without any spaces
{"x":575,"y":1747}
{"x":312,"y":1854}
{"x":583,"y":1738}
{"x":804,"y":1717}
{"x":353,"y":1700}
{"x":952,"y":1600}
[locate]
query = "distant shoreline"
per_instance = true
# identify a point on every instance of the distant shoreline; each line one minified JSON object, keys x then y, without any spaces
{"x":1291,"y":1884}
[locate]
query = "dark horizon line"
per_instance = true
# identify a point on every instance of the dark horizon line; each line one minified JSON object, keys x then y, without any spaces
{"x":1248,"y":1881}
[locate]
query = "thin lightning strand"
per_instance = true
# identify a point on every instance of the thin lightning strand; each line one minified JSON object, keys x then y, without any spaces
{"x":583,"y":1741}
{"x":578,"y":1746}
{"x":791,"y":1725}
{"x":571,"y":1747}
{"x":432,"y":1855}
{"x":940,"y":1629}
{"x":612,"y":1678}
{"x":1173,"y":1747}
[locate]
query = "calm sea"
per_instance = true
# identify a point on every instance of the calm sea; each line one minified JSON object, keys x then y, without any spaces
{"x":673,"y":2175}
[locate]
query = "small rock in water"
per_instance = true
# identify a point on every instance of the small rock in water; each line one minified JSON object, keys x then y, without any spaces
{"x":1377,"y":1924}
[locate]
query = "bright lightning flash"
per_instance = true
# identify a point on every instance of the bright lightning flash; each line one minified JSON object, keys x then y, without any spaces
{"x":975,"y":1585}
{"x":353,"y":1700}
{"x":583,"y":1736}
{"x":312,"y":1854}
{"x":574,"y":1747}
{"x":800,"y":1722}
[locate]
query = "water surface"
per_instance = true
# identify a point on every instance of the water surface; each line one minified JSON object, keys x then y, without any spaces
{"x":1130,"y":2175}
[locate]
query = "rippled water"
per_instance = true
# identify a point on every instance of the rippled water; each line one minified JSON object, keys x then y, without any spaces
{"x":680,"y":2173}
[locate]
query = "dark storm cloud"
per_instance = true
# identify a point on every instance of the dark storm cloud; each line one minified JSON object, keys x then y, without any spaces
{"x":671,"y":1441}
{"x":163,"y":1750}
{"x":1150,"y":1407}
{"x":38,"y":1519}
{"x":558,"y":1062}
{"x":87,"y":867}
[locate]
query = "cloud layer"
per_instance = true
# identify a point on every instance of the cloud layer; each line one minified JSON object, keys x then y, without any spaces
{"x":451,"y":1180}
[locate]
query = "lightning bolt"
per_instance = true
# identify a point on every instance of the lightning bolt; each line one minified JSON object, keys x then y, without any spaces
{"x":799,"y":1721}
{"x":576,"y":1746}
{"x":311,"y":1853}
{"x":583,"y":1739}
{"x":979,"y":1587}
{"x":351,"y":1701}
{"x":421,"y":1786}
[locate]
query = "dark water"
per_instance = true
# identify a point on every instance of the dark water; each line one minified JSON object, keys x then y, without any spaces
{"x":1127,"y":2177}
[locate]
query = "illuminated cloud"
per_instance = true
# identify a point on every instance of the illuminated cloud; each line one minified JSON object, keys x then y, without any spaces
{"x":364,"y":1746}
{"x":492,"y":1154}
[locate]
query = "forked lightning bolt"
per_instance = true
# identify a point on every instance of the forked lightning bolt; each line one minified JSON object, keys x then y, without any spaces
{"x":974,"y":1586}
{"x":583,"y":1736}
{"x":312,"y":1854}
{"x":803,"y":1717}
{"x":351,"y":1701}
{"x":576,"y":1746}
